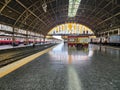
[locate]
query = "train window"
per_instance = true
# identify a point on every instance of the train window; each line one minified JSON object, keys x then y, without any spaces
{"x":83,"y":32}
{"x":116,"y":32}
{"x":86,"y":32}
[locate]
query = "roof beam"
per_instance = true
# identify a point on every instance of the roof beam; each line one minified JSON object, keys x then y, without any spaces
{"x":24,"y":12}
{"x":31,"y":12}
{"x":108,"y":18}
{"x":54,"y":11}
{"x":103,"y":8}
{"x":6,"y":3}
{"x":50,"y":11}
{"x":95,"y":8}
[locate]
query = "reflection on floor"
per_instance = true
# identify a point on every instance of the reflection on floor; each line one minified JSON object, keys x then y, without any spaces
{"x":63,"y":68}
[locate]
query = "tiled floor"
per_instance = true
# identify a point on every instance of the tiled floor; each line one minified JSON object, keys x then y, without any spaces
{"x":63,"y":68}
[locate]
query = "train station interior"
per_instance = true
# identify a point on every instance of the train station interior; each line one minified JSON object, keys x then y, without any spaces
{"x":59,"y":44}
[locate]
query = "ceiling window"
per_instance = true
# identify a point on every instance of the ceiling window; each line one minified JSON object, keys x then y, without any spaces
{"x":73,"y":7}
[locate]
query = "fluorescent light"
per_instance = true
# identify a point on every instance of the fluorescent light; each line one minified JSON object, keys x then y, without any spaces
{"x":73,"y":7}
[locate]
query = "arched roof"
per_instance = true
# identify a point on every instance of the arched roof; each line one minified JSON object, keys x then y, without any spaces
{"x":28,"y":14}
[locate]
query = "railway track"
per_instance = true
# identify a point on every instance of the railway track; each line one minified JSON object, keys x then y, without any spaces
{"x":24,"y":53}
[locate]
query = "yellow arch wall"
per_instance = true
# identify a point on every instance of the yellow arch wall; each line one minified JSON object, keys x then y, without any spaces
{"x":70,"y":27}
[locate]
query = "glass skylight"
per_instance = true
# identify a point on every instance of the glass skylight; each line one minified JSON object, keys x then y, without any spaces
{"x":73,"y":7}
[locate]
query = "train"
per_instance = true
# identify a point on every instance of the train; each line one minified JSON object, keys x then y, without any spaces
{"x":113,"y":40}
{"x":7,"y":40}
{"x":78,"y":41}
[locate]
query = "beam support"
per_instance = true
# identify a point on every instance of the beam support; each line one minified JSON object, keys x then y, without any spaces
{"x":31,"y":12}
{"x":6,"y":3}
{"x":108,"y":18}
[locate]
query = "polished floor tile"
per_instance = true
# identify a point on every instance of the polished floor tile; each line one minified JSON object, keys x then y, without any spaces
{"x":63,"y":68}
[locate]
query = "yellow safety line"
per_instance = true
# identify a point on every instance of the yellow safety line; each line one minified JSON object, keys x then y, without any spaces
{"x":13,"y":66}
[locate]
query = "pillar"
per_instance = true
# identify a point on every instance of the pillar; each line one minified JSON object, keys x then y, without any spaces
{"x":44,"y":39}
{"x":13,"y":37}
{"x":27,"y":41}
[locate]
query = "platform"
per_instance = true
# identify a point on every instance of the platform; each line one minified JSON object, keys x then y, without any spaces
{"x":4,"y":47}
{"x":63,"y":68}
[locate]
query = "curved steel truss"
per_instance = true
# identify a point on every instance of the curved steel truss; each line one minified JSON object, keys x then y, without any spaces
{"x":98,"y":15}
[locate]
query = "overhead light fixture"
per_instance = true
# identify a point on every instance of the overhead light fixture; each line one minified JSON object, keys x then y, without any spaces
{"x":44,"y":6}
{"x":73,"y":7}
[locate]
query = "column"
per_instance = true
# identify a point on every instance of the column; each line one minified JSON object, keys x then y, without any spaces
{"x":13,"y":37}
{"x":44,"y":39}
{"x":27,"y":41}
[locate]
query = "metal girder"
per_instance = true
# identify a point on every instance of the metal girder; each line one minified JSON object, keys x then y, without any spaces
{"x":43,"y":13}
{"x":59,"y":10}
{"x":51,"y":17}
{"x":109,"y":18}
{"x":6,"y":3}
{"x":23,"y":13}
{"x":12,"y":19}
{"x":95,"y":8}
{"x":30,"y":7}
{"x":66,"y":10}
{"x":54,"y":12}
{"x":109,"y":12}
{"x":34,"y":25}
{"x":54,"y":24}
{"x":28,"y":15}
{"x":103,"y":8}
{"x":51,"y":1}
{"x":38,"y":1}
{"x":31,"y":12}
{"x":46,"y":22}
{"x":106,"y":12}
{"x":40,"y":26}
{"x":10,"y":8}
